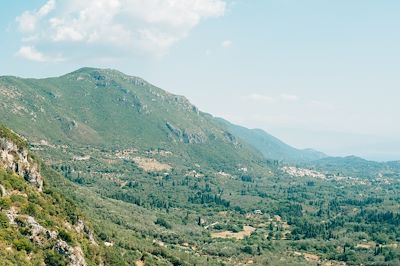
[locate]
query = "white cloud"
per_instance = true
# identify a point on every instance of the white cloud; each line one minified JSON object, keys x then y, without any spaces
{"x":151,"y":25}
{"x":28,"y":20}
{"x":30,"y":53}
{"x":226,"y":44}
{"x":46,"y":8}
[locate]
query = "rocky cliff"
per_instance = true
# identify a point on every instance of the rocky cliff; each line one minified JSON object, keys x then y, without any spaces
{"x":36,"y":227}
{"x":17,"y":159}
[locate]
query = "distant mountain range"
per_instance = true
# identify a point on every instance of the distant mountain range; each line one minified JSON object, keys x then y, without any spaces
{"x":356,"y":166}
{"x":105,"y":106}
{"x":272,"y":147}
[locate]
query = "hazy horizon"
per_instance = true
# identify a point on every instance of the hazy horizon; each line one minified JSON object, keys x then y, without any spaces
{"x":314,"y":74}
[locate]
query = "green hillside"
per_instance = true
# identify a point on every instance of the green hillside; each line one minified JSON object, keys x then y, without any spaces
{"x":107,"y":108}
{"x":37,"y":224}
{"x":356,"y":166}
{"x":166,"y":184}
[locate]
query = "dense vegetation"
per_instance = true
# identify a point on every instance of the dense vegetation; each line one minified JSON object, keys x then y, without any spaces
{"x":166,"y":184}
{"x":349,"y":221}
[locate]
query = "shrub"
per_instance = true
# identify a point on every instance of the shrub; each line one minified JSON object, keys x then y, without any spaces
{"x":54,"y":259}
{"x":246,"y":178}
{"x":234,"y":228}
{"x":20,"y":222}
{"x":18,"y":199}
{"x":248,"y":250}
{"x":163,"y":223}
{"x":4,"y":223}
{"x":33,"y":198}
{"x":23,"y":244}
{"x":113,"y":258}
{"x":5,"y":204}
{"x":30,"y":210}
{"x":218,"y":227}
{"x":65,"y":236}
{"x":103,"y":236}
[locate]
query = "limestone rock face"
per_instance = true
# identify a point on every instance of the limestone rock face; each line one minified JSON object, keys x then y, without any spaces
{"x":74,"y":253}
{"x":82,"y":228}
{"x":40,"y":234}
{"x":37,"y":231}
{"x":187,"y":136}
{"x":17,"y":159}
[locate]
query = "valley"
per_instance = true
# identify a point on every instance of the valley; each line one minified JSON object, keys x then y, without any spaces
{"x":166,"y":184}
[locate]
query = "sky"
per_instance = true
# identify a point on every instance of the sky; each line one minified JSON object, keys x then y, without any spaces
{"x":315,"y":73}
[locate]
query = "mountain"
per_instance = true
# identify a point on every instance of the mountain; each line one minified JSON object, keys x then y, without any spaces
{"x":162,"y":183}
{"x":357,"y":167}
{"x":104,"y":107}
{"x":270,"y":146}
{"x":37,"y":224}
{"x":134,"y":153}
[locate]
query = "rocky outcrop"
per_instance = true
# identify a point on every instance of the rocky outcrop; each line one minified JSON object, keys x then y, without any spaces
{"x":37,"y":231}
{"x":17,"y":159}
{"x":230,"y":137}
{"x":189,"y":137}
{"x":176,"y":131}
{"x":75,"y":254}
{"x":82,"y":228}
{"x":12,"y":215}
{"x":186,"y":136}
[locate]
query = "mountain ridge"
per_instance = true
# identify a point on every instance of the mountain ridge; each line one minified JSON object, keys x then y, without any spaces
{"x":104,"y":78}
{"x":272,"y":147}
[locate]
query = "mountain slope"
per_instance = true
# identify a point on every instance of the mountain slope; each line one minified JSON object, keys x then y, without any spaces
{"x":37,"y":227}
{"x":165,"y":184}
{"x":106,"y":108}
{"x":357,"y":167}
{"x":135,"y":153}
{"x":270,"y":146}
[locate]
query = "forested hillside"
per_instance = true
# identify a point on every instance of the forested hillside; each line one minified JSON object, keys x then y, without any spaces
{"x":166,"y":184}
